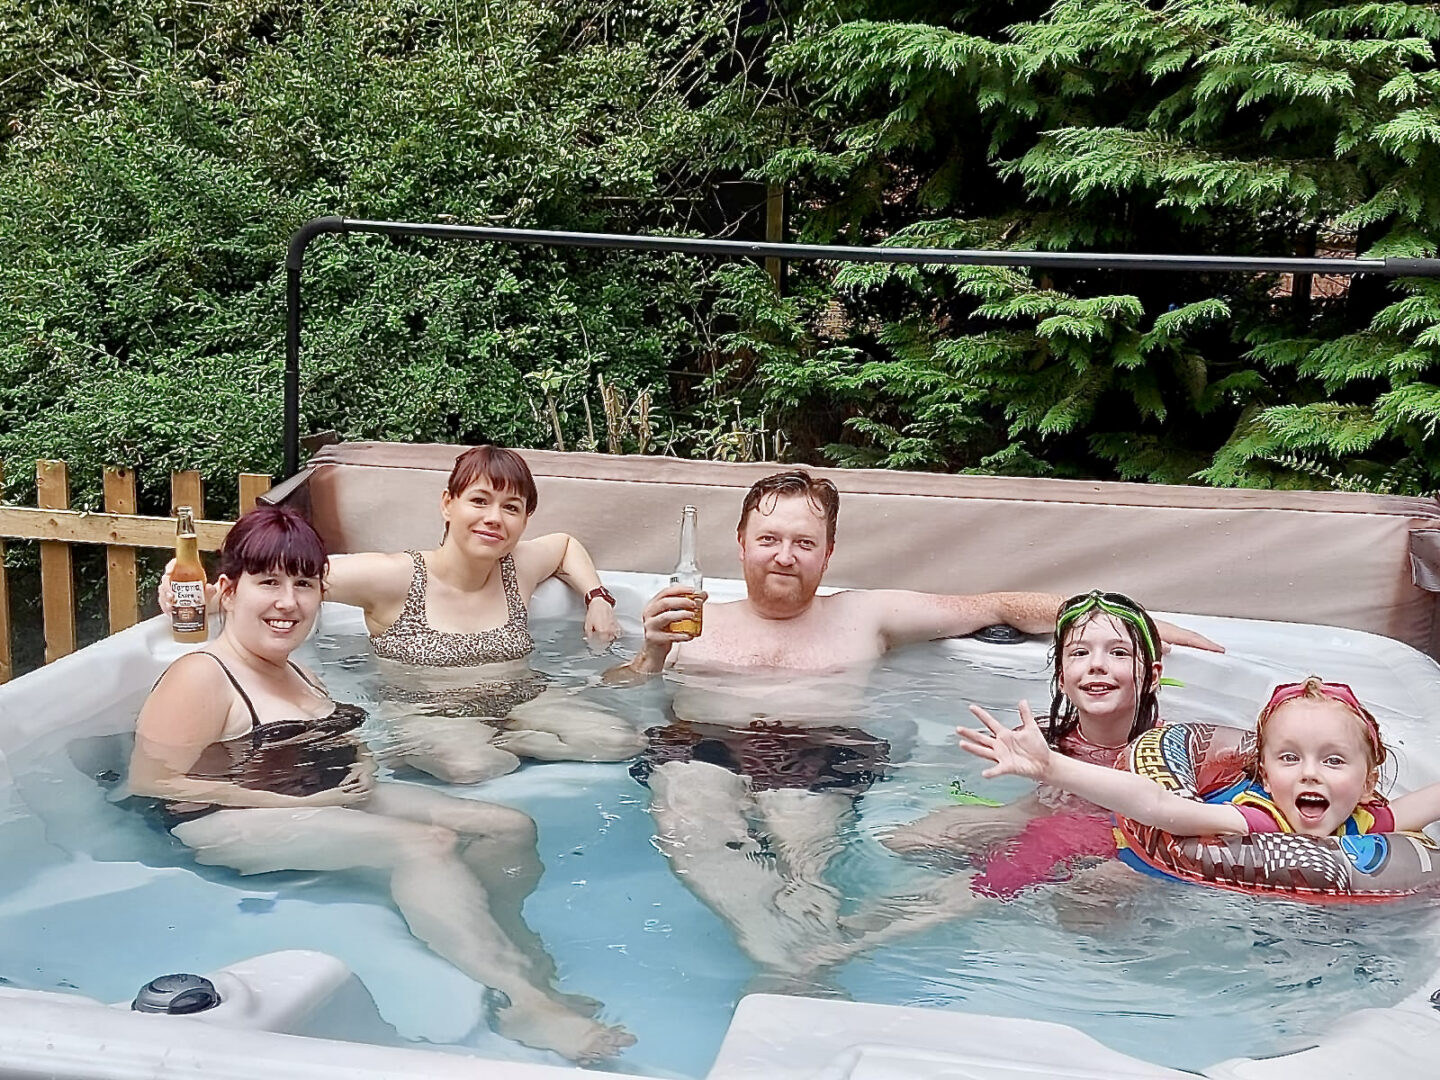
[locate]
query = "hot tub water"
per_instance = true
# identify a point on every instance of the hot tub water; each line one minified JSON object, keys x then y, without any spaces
{"x":96,"y":900}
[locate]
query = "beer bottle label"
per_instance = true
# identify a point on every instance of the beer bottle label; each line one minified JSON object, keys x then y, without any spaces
{"x":187,"y":613}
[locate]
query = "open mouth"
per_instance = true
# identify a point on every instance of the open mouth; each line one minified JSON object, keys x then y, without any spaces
{"x":1311,"y":805}
{"x":280,"y":624}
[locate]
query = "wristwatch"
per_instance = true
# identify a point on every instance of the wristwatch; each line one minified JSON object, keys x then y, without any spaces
{"x":602,"y":592}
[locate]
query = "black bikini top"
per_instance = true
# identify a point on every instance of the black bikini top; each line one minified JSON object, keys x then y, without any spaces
{"x":342,"y":718}
{"x":297,"y":756}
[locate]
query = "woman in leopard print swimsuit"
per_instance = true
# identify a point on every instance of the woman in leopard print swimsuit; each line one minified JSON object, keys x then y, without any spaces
{"x":450,"y":627}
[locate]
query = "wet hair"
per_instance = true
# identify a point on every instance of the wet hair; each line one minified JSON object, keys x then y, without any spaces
{"x":820,"y":493}
{"x":504,"y":468}
{"x":271,"y":538}
{"x":1315,"y":688}
{"x":1077,"y":613}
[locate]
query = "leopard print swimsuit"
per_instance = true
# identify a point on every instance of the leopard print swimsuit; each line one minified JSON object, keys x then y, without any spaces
{"x":411,"y":640}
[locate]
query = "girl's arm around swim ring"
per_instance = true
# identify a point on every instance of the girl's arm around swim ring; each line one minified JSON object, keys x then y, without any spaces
{"x":560,"y":555}
{"x":1024,"y":752}
{"x":1416,"y":810}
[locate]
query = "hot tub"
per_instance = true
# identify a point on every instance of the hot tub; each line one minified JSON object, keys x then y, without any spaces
{"x":90,"y":912}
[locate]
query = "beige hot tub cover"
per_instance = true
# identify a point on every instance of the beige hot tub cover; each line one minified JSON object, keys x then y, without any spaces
{"x":1370,"y":562}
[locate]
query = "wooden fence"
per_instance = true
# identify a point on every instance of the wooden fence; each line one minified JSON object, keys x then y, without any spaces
{"x":119,"y":528}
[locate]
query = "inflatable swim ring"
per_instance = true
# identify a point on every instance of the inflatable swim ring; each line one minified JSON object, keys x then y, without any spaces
{"x":1196,"y":760}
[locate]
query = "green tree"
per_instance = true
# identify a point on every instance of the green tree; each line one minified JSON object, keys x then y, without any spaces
{"x":155,"y":158}
{"x":1204,"y":126}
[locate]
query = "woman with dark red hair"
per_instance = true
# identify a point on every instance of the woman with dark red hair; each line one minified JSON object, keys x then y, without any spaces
{"x":244,"y":757}
{"x":451,"y":628}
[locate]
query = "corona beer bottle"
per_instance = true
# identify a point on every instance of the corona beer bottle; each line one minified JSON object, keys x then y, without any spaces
{"x":187,"y":581}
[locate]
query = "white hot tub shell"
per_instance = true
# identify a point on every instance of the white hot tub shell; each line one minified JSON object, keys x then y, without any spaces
{"x":274,"y":1003}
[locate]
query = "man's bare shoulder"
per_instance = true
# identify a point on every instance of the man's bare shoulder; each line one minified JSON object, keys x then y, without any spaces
{"x":871,"y":596}
{"x":874,"y":602}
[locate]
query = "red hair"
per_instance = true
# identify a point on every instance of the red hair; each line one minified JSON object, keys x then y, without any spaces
{"x":270,"y":538}
{"x":819,"y":492}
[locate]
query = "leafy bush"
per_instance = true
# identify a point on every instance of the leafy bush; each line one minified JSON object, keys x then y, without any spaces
{"x":155,"y":157}
{"x":1202,"y":126}
{"x":156,"y":162}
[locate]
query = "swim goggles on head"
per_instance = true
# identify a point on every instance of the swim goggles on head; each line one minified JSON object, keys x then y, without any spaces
{"x":1117,"y":605}
{"x":1335,"y":691}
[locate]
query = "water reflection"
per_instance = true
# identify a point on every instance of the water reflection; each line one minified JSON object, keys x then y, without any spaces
{"x":1176,"y":974}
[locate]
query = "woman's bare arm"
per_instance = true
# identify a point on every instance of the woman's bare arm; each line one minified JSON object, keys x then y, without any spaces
{"x":186,"y":712}
{"x":561,"y":556}
{"x":376,"y":582}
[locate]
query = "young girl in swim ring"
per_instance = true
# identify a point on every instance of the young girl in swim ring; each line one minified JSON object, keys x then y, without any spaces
{"x":1105,"y":684}
{"x":1315,"y":769}
{"x":252,"y":765}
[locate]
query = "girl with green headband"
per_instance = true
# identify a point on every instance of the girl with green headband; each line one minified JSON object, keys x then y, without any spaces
{"x":1106,"y":676}
{"x":1106,"y":657}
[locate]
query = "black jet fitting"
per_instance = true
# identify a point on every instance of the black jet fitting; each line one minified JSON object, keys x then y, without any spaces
{"x":176,"y":995}
{"x":1000,"y":634}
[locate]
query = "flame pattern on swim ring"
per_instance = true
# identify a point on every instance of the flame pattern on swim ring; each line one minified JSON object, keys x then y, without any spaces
{"x":1200,"y":760}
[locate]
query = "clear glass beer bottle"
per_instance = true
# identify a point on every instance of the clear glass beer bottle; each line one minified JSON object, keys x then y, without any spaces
{"x":687,"y":573}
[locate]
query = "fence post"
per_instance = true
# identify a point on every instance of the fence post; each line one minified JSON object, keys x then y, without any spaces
{"x":122,"y":522}
{"x":775,"y":232}
{"x":57,"y":581}
{"x":187,"y":489}
{"x":7,"y":668}
{"x":120,"y":579}
{"x":252,"y":486}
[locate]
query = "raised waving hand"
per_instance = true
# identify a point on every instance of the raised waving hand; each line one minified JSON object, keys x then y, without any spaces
{"x":1020,"y":751}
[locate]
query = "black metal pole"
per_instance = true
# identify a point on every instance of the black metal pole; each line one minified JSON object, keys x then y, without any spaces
{"x":737,"y":249}
{"x":292,"y":371}
{"x":294,"y":261}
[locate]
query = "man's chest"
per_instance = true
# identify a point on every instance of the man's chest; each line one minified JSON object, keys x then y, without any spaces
{"x":814,"y":646}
